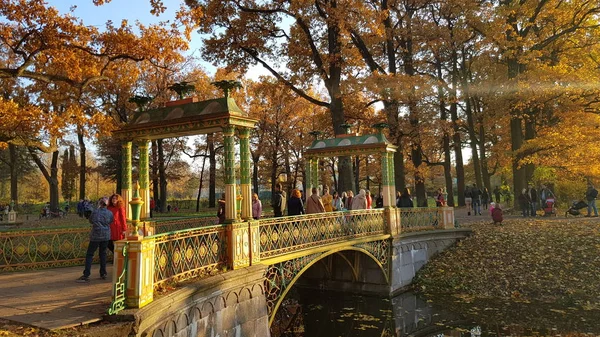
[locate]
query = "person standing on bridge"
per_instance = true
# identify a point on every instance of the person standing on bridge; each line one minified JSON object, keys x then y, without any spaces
{"x":327,"y":200}
{"x":118,"y":228}
{"x":360,"y":200}
{"x":101,"y":218}
{"x":314,"y":204}
{"x":279,"y":201}
{"x":295,"y":205}
{"x":256,"y":207}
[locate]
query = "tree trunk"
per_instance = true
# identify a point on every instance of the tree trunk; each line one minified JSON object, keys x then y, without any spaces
{"x":519,"y":178}
{"x":391,"y":111}
{"x":82,"y":166}
{"x":14,"y":169}
{"x":200,"y":185}
{"x":162,"y":176}
{"x":274,"y":166}
{"x":445,"y":137}
{"x":212,"y":176}
{"x":255,"y":160}
{"x":356,"y":173}
{"x":530,"y":134}
{"x":51,"y":177}
{"x":483,"y":157}
{"x":456,"y":138}
{"x":472,"y":139}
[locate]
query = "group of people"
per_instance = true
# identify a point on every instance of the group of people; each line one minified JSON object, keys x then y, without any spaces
{"x":530,"y":199}
{"x":315,"y":203}
{"x":109,"y":224}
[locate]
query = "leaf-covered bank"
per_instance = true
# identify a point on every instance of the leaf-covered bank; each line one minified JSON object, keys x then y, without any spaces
{"x":549,"y":260}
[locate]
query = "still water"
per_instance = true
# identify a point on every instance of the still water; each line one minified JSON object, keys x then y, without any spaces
{"x":311,"y":313}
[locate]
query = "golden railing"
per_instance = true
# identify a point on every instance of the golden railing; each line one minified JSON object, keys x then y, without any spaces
{"x":279,"y":236}
{"x":171,"y":225}
{"x":418,"y":219}
{"x":190,"y":253}
{"x":43,"y":248}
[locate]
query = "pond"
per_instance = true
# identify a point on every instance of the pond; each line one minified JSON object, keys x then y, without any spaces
{"x":313,"y":313}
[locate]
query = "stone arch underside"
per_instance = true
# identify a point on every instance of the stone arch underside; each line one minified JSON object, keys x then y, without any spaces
{"x":369,"y":256}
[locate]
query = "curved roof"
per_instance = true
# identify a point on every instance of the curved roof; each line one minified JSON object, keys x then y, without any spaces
{"x":184,"y":118}
{"x":350,"y":145}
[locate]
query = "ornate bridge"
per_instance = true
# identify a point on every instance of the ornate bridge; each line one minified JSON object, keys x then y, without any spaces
{"x":368,"y":248}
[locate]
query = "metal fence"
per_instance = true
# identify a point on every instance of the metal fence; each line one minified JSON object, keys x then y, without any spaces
{"x":172,"y":225}
{"x":283,"y":235}
{"x":43,"y":248}
{"x":418,"y":219}
{"x":190,"y":253}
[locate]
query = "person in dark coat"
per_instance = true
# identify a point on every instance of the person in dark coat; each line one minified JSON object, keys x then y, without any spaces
{"x":405,"y":200}
{"x":295,"y":205}
{"x":221,"y":209}
{"x":101,"y":218}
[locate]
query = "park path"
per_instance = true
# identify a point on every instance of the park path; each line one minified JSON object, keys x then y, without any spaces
{"x":51,"y":299}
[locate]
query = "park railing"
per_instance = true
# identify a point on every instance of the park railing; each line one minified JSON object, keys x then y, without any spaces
{"x":22,"y":249}
{"x":189,"y":253}
{"x":279,"y":236}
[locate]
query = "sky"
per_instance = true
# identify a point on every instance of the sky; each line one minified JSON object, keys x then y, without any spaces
{"x":132,"y":10}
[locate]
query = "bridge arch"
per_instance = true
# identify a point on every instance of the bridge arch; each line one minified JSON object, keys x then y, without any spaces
{"x":277,"y":287}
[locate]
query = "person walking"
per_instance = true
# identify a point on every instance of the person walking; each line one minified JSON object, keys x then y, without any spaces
{"x":533,"y":199}
{"x":485,"y":198}
{"x":497,"y":194}
{"x":468,"y":199}
{"x":221,"y":209}
{"x":337,"y":202}
{"x":314,"y":204}
{"x":369,"y":199}
{"x":327,"y":200}
{"x":101,"y":218}
{"x":279,"y":201}
{"x":524,"y":202}
{"x":118,"y":228}
{"x":405,"y":200}
{"x":295,"y":205}
{"x":476,"y":195}
{"x":256,"y":207}
{"x":590,"y":196}
{"x":348,"y":204}
{"x":440,"y":201}
{"x":360,"y":200}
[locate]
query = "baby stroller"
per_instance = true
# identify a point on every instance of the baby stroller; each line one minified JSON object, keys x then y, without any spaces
{"x":549,"y":207}
{"x":574,"y":209}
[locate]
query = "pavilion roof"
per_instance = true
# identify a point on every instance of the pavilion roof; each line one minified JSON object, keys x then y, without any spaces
{"x":184,"y":118}
{"x":350,"y":145}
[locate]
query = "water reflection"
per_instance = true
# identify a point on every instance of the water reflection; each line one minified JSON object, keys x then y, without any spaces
{"x":311,"y":313}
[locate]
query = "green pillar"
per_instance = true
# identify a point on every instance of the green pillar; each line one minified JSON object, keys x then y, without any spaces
{"x":144,"y":178}
{"x":126,"y":176}
{"x":314,"y":175}
{"x":245,"y":181}
{"x":392,"y":177}
{"x":385,"y":177}
{"x":230,"y":191}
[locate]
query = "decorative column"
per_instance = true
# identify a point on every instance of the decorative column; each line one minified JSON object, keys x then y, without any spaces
{"x":392,"y":177}
{"x":230,"y":191}
{"x":385,"y":177}
{"x":144,"y":178}
{"x":314,"y":175}
{"x":126,"y":176}
{"x":244,"y":134}
{"x":133,"y":277}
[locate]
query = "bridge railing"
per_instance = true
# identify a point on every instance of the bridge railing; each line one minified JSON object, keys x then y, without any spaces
{"x":417,"y":219}
{"x":282,"y":235}
{"x":171,"y":225}
{"x":189,"y":253}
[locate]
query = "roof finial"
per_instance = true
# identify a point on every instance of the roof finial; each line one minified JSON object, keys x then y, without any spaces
{"x":227,"y":86}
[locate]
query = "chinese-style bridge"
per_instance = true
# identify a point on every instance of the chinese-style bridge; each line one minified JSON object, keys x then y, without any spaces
{"x":238,"y":273}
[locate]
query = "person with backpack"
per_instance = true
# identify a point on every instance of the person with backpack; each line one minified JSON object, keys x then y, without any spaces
{"x":590,"y":195}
